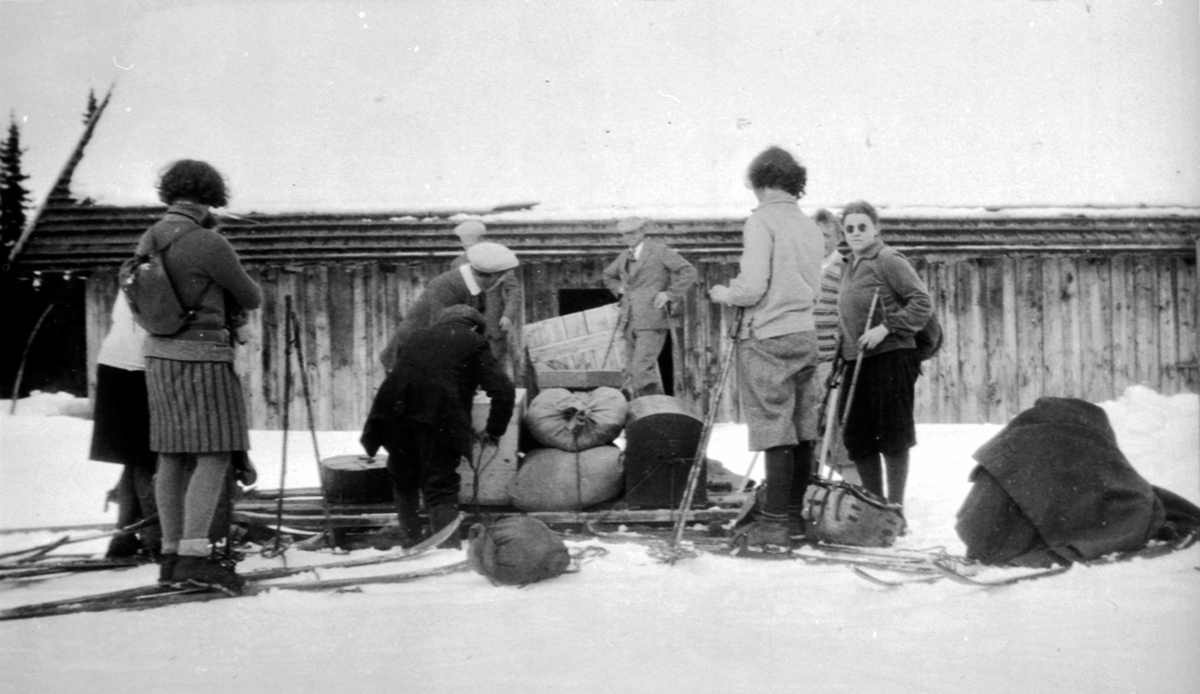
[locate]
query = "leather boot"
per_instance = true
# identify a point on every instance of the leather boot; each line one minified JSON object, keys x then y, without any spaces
{"x":407,"y":532}
{"x":805,"y":471}
{"x":769,"y":532}
{"x":441,"y":516}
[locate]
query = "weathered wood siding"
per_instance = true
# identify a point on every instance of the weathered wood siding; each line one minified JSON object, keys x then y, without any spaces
{"x":1018,"y":328}
{"x":1071,"y":305}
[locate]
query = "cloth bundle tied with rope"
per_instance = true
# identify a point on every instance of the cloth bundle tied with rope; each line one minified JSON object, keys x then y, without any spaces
{"x":572,"y":421}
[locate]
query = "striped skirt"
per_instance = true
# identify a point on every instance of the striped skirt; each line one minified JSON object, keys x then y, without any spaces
{"x":195,"y":407}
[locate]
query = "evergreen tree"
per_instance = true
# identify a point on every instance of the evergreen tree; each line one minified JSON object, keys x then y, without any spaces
{"x":14,"y":197}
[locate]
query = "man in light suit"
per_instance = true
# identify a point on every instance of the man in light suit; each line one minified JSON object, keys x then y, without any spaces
{"x":647,"y":277}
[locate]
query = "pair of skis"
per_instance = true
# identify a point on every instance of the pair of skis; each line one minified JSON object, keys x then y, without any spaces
{"x":893,"y":567}
{"x":883,"y":559}
{"x":156,"y":595}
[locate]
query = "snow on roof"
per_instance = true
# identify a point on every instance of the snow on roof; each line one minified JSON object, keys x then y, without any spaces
{"x":655,"y":107}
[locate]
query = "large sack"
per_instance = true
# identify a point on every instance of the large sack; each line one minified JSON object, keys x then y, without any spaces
{"x":1053,"y":487}
{"x":576,"y":421}
{"x":554,"y":480}
{"x":516,"y":550}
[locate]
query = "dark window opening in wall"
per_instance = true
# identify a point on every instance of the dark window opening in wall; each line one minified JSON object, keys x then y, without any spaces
{"x":576,"y":300}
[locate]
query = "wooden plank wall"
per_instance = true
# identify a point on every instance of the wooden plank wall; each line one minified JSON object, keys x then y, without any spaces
{"x":1017,"y":327}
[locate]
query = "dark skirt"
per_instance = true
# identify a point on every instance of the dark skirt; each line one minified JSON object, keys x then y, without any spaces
{"x":121,"y":418}
{"x":196,"y":407}
{"x":881,"y":416}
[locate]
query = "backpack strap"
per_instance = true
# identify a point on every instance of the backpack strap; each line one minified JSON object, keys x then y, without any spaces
{"x":162,"y":252}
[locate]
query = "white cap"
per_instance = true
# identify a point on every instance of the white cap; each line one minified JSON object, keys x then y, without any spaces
{"x":470,"y":231}
{"x":491,"y":257}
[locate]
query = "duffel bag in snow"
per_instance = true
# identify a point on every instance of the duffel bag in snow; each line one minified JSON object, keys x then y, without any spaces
{"x":516,"y":550}
{"x":554,"y":480}
{"x":1053,"y":488}
{"x":575,"y":421}
{"x":844,"y":514}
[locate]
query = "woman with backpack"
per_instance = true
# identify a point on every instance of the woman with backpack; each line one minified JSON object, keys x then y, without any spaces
{"x":198,"y":415}
{"x":879,"y":284}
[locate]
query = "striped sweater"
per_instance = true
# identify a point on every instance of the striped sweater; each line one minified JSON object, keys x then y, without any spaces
{"x":825,"y":313}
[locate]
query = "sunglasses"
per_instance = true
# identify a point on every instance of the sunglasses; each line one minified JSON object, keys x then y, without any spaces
{"x":857,"y":228}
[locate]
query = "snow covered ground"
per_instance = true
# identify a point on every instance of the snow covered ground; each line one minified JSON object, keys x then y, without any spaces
{"x":624,"y":623}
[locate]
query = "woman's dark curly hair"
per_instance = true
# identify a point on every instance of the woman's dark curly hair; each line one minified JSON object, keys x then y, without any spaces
{"x":861,"y":207}
{"x":198,"y":181}
{"x":776,"y":168}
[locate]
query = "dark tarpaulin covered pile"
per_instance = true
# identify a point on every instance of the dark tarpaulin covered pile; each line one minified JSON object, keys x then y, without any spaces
{"x":1053,"y":487}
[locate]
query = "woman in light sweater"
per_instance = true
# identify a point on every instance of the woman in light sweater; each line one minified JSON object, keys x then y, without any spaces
{"x":778,"y":280}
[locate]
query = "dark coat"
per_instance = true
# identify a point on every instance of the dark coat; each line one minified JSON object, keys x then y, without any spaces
{"x":435,"y":382}
{"x":447,"y":289}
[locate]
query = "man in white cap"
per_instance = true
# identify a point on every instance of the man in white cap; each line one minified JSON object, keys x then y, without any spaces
{"x":501,"y":305}
{"x":487,"y":264}
{"x":648,"y":277}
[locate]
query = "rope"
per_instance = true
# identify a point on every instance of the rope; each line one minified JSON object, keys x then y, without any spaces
{"x":578,"y":467}
{"x":582,"y":555}
{"x":477,"y":468}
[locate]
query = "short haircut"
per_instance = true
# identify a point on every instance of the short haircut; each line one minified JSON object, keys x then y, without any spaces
{"x":776,"y":168}
{"x":861,"y":207}
{"x":826,"y":218}
{"x":198,"y":181}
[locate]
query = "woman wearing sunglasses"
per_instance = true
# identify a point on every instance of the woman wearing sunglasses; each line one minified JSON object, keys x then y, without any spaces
{"x":880,"y":421}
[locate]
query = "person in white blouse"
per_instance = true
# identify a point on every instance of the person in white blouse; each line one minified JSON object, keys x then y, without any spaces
{"x":121,"y":432}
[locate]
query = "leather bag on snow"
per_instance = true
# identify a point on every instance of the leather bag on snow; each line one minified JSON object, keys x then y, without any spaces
{"x":844,"y":514}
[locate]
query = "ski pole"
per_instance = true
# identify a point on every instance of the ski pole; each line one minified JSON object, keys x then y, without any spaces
{"x":702,"y":447}
{"x":830,"y":418}
{"x":287,"y":402}
{"x":613,"y":337}
{"x":312,"y":423}
{"x":858,"y":365}
{"x":827,"y":414}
